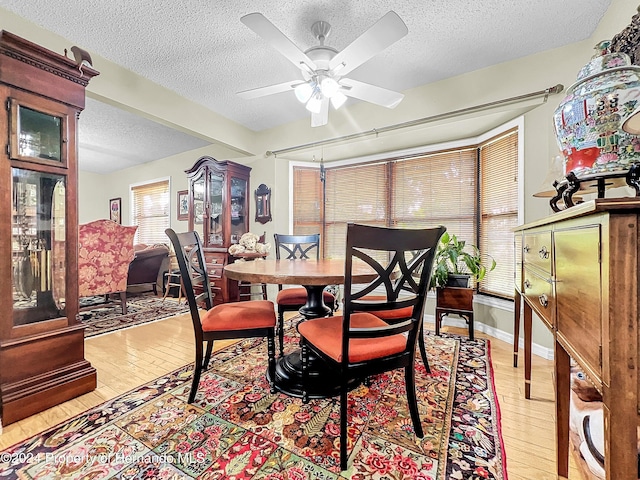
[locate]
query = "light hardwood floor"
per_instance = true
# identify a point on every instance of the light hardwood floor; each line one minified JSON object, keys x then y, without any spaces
{"x":129,"y":358}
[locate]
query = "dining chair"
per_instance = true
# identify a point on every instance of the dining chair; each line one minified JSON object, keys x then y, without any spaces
{"x":253,"y":318}
{"x":296,"y":247}
{"x":358,"y":343}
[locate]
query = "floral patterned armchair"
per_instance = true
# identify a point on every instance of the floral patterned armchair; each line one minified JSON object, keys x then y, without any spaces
{"x":105,"y":250}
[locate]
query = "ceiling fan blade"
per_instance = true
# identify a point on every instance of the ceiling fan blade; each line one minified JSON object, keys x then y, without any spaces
{"x":268,"y":90}
{"x":370,"y":93}
{"x":386,"y":31}
{"x":278,"y":40}
{"x":322,"y":118}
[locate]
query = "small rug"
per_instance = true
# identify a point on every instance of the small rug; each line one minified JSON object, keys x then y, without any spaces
{"x":140,"y":309}
{"x":236,"y":429}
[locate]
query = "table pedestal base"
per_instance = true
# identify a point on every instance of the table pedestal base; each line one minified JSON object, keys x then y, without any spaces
{"x":322,"y":380}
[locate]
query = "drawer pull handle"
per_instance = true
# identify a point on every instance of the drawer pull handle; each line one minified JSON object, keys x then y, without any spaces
{"x":544,"y":301}
{"x":544,"y":253}
{"x":527,"y":284}
{"x":526,"y":249}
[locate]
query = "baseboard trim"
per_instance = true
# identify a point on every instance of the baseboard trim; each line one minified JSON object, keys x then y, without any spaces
{"x":536,"y":349}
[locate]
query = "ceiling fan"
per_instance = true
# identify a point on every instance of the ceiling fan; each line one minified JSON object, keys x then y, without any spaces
{"x":324,"y":68}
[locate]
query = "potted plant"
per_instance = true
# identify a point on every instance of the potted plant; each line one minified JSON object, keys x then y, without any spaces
{"x":454,"y":265}
{"x":457,"y":262}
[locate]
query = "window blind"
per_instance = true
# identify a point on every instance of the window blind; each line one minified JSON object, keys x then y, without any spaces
{"x":356,"y":193}
{"x":151,"y":211}
{"x":472,"y":191}
{"x":307,"y":201}
{"x":436,"y":189}
{"x":499,"y":210}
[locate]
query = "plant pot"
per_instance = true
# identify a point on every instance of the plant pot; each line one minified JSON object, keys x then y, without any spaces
{"x":457,"y":280}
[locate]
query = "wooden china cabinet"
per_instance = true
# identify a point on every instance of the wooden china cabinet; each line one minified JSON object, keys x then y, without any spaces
{"x":41,"y":339}
{"x":219,"y":212}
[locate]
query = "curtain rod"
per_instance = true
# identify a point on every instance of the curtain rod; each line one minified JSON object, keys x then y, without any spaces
{"x":411,"y":123}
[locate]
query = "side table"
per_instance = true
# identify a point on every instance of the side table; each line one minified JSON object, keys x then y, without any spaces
{"x":454,"y":300}
{"x":172,"y":278}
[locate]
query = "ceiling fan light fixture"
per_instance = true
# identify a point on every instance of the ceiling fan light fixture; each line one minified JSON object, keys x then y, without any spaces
{"x":338,"y":100}
{"x":303,"y":92}
{"x":325,"y":70}
{"x":314,"y":105}
{"x":329,"y":87}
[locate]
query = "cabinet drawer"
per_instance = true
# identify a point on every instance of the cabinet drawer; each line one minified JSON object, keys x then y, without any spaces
{"x":538,"y":291}
{"x":215,"y":257}
{"x":215,"y":265}
{"x":216,"y":284}
{"x":214,"y":271}
{"x":536,"y":250}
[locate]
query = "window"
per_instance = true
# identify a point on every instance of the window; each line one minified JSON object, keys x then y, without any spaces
{"x":307,"y":201}
{"x":355,"y":191}
{"x":471,"y":190}
{"x":499,"y":210}
{"x":150,"y":211}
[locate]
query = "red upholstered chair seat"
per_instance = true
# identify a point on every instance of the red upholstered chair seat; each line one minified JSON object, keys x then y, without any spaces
{"x":239,"y":316}
{"x":298,"y":296}
{"x":326,"y":335}
{"x":398,"y":314}
{"x":395,"y":315}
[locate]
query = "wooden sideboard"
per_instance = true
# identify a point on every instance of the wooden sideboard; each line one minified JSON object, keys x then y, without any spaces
{"x":578,"y":271}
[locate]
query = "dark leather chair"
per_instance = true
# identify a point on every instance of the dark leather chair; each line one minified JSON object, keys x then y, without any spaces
{"x":147,"y":266}
{"x":358,"y":343}
{"x":254,"y":318}
{"x":296,"y":247}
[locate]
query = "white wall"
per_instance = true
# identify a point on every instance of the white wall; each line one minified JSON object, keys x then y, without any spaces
{"x":94,"y":190}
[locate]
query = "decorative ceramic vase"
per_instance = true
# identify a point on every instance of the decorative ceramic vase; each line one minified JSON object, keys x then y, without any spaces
{"x":588,"y":120}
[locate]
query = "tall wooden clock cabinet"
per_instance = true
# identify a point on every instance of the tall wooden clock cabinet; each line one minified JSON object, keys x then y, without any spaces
{"x":219,"y":212}
{"x":41,"y":340}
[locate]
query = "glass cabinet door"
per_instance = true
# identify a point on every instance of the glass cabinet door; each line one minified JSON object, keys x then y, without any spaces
{"x":238,"y":208}
{"x":198,"y":189}
{"x":37,"y":134}
{"x":38,"y":245}
{"x":216,"y":224}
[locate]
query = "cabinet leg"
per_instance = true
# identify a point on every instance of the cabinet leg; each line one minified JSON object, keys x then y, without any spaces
{"x":516,"y":327}
{"x":527,"y":350}
{"x":563,"y":385}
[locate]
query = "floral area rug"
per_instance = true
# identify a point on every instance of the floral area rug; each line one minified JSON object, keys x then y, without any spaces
{"x":237,"y":429}
{"x":140,"y":309}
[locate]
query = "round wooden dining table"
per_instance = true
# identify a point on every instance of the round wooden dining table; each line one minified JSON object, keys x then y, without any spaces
{"x":314,"y":275}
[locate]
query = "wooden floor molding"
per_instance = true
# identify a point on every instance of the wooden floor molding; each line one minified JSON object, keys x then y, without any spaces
{"x":128,"y":358}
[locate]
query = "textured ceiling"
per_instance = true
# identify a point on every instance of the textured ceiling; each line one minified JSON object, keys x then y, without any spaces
{"x":112,"y":139}
{"x":203,"y":52}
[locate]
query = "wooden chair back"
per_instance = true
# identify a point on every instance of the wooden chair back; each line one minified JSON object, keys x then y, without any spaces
{"x":403,"y":260}
{"x":193,"y":271}
{"x":297,"y":247}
